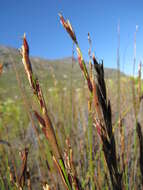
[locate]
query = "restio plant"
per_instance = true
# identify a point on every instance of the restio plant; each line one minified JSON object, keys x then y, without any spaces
{"x":91,"y":156}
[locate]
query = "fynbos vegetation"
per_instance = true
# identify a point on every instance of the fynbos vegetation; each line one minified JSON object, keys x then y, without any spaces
{"x":70,"y":137}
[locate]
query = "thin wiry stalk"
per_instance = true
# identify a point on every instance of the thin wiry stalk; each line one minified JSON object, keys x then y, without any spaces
{"x":16,"y":181}
{"x":28,"y":179}
{"x":23,"y":172}
{"x":140,"y":136}
{"x":68,"y":27}
{"x":139,"y":83}
{"x":91,"y":166}
{"x":122,"y":146}
{"x":47,"y":127}
{"x":27,"y":107}
{"x":71,"y":90}
{"x":118,"y":71}
{"x":133,"y":80}
{"x":90,"y":121}
{"x":135,"y":107}
{"x":1,"y":68}
{"x":2,"y":178}
{"x":90,"y":57}
{"x":71,"y":166}
{"x":44,"y":120}
{"x":34,"y":83}
{"x":104,"y":122}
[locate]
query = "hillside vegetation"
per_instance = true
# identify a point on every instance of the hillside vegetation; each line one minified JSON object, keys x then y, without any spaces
{"x":68,"y":124}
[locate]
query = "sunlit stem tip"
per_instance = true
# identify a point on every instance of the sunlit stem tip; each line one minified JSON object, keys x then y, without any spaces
{"x":66,"y":24}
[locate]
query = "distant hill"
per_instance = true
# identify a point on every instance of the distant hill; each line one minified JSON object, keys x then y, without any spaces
{"x":49,"y":72}
{"x":9,"y":55}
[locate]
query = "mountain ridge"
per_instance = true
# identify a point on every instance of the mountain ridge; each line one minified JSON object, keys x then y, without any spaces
{"x":8,"y":55}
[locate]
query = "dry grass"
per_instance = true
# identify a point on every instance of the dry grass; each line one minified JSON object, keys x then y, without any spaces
{"x":81,"y":148}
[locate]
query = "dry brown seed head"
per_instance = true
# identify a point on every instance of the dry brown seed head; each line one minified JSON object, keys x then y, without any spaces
{"x":1,"y":68}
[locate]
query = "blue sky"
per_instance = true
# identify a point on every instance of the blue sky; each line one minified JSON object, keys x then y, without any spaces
{"x":47,"y":38}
